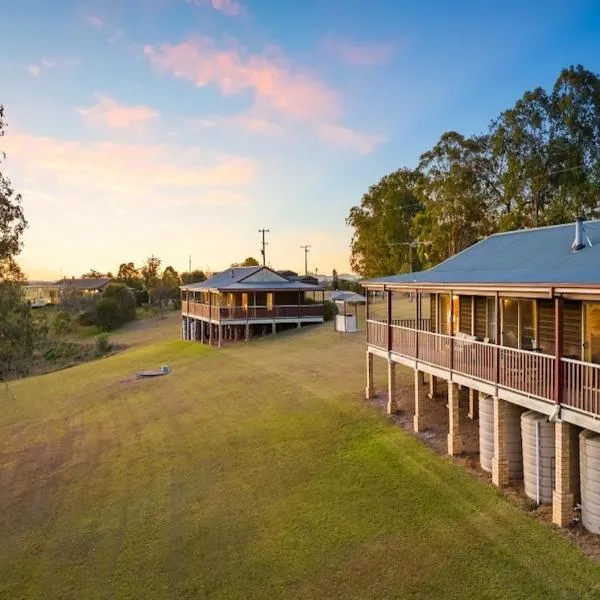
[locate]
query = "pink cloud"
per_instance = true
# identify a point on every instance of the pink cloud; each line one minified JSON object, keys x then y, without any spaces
{"x":350,"y":139}
{"x":275,"y":83}
{"x":34,"y":70}
{"x":94,"y":21}
{"x":360,"y":54}
{"x":109,"y":113}
{"x":126,"y":171}
{"x":248,"y":121}
{"x":231,"y":8}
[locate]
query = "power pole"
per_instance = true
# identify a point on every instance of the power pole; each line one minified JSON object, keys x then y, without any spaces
{"x":411,"y":245}
{"x":262,"y":250}
{"x":190,"y":266}
{"x":306,"y":247}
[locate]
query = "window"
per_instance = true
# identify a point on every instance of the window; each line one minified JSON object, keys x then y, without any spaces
{"x":592,"y":333}
{"x":245,"y":301}
{"x":269,"y":300}
{"x":519,"y":323}
{"x":491,"y":319}
{"x":445,"y":317}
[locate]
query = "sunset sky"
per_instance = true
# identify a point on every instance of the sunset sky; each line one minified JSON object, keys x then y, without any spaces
{"x":177,"y":127}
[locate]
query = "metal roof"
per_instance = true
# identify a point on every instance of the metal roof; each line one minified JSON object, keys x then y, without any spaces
{"x":232,"y":279}
{"x":84,"y":283}
{"x":350,"y":297}
{"x":529,"y":256}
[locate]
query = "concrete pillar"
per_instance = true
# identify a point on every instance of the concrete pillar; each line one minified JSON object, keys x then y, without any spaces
{"x":247,"y":331}
{"x":433,"y":387}
{"x":473,"y":404}
{"x":220,"y":334}
{"x":392,"y":405}
{"x":210,"y":333}
{"x":455,"y":443}
{"x":563,"y":498}
{"x":370,"y":389}
{"x":274,"y":328}
{"x":500,"y":461}
{"x":202,"y":331}
{"x":421,"y":377}
{"x":419,"y":397}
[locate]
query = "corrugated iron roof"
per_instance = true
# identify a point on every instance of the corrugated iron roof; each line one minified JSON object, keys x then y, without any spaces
{"x":529,"y":256}
{"x":84,"y":283}
{"x":232,"y":279}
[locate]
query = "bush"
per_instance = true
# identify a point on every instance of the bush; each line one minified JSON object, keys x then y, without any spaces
{"x":88,"y":318}
{"x":125,"y":300}
{"x":330,"y":310}
{"x":108,"y":314}
{"x":63,"y":323}
{"x":102,"y":344}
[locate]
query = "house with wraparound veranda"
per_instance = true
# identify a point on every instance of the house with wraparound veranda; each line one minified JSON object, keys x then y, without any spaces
{"x":244,"y":302}
{"x":515,"y":320}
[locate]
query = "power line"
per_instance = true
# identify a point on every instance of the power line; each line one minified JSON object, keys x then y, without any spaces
{"x":306,"y":250}
{"x":262,"y":250}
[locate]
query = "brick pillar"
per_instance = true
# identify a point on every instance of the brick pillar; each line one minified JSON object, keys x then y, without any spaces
{"x":473,"y":404}
{"x":454,"y":440}
{"x":419,"y":397}
{"x":392,"y":405}
{"x":500,"y":461}
{"x":563,"y":497}
{"x":370,"y":389}
{"x":433,"y":387}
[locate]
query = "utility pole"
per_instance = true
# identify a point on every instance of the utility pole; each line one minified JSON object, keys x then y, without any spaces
{"x":306,"y":247}
{"x":190,"y":266}
{"x":411,"y":245}
{"x":262,"y":250}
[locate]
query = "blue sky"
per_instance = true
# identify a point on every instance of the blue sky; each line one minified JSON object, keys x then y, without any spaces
{"x":180,"y":127}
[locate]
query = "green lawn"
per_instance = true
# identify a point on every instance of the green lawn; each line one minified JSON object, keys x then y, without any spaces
{"x":249,"y":472}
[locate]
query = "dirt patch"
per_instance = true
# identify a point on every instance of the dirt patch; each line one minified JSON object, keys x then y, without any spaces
{"x":434,"y":435}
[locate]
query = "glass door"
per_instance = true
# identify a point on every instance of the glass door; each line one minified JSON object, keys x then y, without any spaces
{"x":592,"y":333}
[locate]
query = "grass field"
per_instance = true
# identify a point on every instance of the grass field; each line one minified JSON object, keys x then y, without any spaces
{"x":254,"y":471}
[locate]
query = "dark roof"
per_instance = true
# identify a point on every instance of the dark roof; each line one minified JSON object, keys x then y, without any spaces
{"x":84,"y":284}
{"x":287,"y":273}
{"x":233,"y":279}
{"x":529,"y":256}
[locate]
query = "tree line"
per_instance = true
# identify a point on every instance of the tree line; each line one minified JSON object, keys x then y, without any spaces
{"x":537,"y":164}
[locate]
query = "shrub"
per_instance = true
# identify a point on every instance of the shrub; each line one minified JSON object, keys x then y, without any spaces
{"x":108,"y":314}
{"x":63,"y":323}
{"x":125,"y":300}
{"x":102,"y":344}
{"x":88,"y":318}
{"x":330,"y":310}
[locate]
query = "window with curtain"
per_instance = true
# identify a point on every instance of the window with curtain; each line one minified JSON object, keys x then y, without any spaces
{"x":444,"y":316}
{"x":510,"y":322}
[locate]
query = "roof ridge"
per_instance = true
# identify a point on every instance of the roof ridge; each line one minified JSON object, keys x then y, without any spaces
{"x":529,"y":229}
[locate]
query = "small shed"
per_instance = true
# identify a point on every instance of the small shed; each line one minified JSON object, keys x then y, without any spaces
{"x":346,"y":303}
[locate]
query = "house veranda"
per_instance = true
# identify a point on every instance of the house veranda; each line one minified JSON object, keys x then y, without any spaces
{"x":516,"y":317}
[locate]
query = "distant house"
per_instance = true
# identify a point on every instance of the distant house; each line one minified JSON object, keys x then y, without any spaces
{"x":242,"y":302}
{"x":293,"y":276}
{"x":83,"y":286}
{"x":515,"y":319}
{"x":41,"y":293}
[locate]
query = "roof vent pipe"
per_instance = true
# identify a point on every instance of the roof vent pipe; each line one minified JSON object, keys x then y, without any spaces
{"x":578,"y":241}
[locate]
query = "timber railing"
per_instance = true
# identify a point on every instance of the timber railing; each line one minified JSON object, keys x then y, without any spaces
{"x":223,"y":313}
{"x":527,"y":372}
{"x":581,"y":385}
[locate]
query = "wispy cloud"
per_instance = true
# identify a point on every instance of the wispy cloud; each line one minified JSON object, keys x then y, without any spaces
{"x":127,"y":172}
{"x":274,"y":81}
{"x":109,"y":113}
{"x":35,"y":69}
{"x":359,"y":53}
{"x":231,"y":8}
{"x":350,"y":139}
{"x":94,"y":21}
{"x":248,"y":121}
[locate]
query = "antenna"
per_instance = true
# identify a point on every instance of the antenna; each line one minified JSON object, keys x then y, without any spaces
{"x":306,"y":250}
{"x":262,"y":250}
